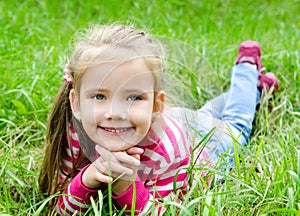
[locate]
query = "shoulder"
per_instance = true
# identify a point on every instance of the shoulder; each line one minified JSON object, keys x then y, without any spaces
{"x":167,"y":139}
{"x":166,"y":148}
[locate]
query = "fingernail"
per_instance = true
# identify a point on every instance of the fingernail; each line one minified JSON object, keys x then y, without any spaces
{"x":137,"y":163}
{"x":141,"y":151}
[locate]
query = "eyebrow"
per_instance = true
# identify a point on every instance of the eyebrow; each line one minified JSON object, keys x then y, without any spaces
{"x":92,"y":90}
{"x":138,"y":90}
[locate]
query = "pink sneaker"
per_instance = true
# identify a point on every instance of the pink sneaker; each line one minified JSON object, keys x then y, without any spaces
{"x":249,"y":51}
{"x":267,"y":81}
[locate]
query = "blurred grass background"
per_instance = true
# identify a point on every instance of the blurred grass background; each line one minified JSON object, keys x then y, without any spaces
{"x":35,"y":43}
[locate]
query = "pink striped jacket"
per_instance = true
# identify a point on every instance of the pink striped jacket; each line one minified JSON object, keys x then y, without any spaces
{"x":164,"y":164}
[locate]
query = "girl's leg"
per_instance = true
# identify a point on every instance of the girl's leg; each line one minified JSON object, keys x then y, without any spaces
{"x":230,"y":114}
{"x":243,"y":97}
{"x":214,"y":108}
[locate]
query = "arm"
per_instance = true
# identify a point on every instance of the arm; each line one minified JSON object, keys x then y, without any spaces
{"x":77,"y":195}
{"x":123,"y":166}
{"x":91,"y":179}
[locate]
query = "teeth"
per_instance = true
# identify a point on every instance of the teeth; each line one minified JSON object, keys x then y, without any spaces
{"x":117,"y":130}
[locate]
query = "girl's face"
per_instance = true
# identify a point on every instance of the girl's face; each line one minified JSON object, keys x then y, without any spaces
{"x":115,"y":105}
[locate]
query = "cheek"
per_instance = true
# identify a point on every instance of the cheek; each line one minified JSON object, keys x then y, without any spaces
{"x":141,"y":114}
{"x":90,"y":111}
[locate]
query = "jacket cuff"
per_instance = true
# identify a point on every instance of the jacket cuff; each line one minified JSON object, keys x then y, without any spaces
{"x":142,"y":196}
{"x":78,"y":189}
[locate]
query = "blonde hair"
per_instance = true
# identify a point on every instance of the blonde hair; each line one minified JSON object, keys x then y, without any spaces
{"x":97,"y":45}
{"x":115,"y":44}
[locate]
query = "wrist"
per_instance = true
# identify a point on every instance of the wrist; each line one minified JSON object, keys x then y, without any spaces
{"x":121,"y":186}
{"x":138,"y":191}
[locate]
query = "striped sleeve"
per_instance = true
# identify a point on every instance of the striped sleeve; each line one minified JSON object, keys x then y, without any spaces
{"x":76,"y":197}
{"x":67,"y":159}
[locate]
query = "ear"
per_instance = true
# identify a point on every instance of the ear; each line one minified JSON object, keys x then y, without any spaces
{"x":75,"y":105}
{"x":159,"y":103}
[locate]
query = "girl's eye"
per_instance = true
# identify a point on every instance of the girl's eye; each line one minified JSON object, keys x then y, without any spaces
{"x":99,"y":97}
{"x":134,"y":98}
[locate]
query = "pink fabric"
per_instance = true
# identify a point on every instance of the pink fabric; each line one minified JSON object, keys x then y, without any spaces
{"x":166,"y":155}
{"x":76,"y":191}
{"x":141,"y":193}
{"x":67,"y":75}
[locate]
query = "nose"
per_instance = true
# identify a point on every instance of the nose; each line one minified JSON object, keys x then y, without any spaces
{"x":115,"y":116}
{"x":116,"y":112}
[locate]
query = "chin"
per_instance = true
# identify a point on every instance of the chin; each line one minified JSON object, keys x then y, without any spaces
{"x":120,"y":144}
{"x":114,"y":148}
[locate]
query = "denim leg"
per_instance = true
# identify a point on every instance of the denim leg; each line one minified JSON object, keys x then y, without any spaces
{"x":230,"y":113}
{"x":214,"y":108}
{"x":242,"y":99}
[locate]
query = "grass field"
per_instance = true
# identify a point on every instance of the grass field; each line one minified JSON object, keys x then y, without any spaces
{"x":204,"y":37}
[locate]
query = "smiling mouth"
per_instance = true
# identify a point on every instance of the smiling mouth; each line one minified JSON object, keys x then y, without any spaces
{"x":116,"y":130}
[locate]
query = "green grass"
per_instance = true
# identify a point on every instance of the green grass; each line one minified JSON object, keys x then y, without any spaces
{"x":203,"y":36}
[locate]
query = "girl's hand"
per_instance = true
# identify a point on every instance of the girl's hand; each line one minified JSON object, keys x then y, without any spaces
{"x":122,"y":184}
{"x":118,"y":164}
{"x":122,"y":166}
{"x":92,"y":178}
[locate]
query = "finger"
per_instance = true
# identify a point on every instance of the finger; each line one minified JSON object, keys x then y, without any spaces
{"x":135,"y":150}
{"x":123,"y":176}
{"x":99,"y":165}
{"x":137,"y":156}
{"x":105,"y":154}
{"x":108,"y":167}
{"x":102,"y":151}
{"x":103,"y":178}
{"x":123,"y":157}
{"x":117,"y":168}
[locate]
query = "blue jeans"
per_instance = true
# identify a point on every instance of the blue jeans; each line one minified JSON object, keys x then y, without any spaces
{"x":231,"y":114}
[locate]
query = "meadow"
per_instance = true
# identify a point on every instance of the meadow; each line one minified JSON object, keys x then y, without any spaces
{"x":202,"y":39}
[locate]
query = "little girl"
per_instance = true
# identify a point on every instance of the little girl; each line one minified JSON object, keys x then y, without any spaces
{"x":109,"y":124}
